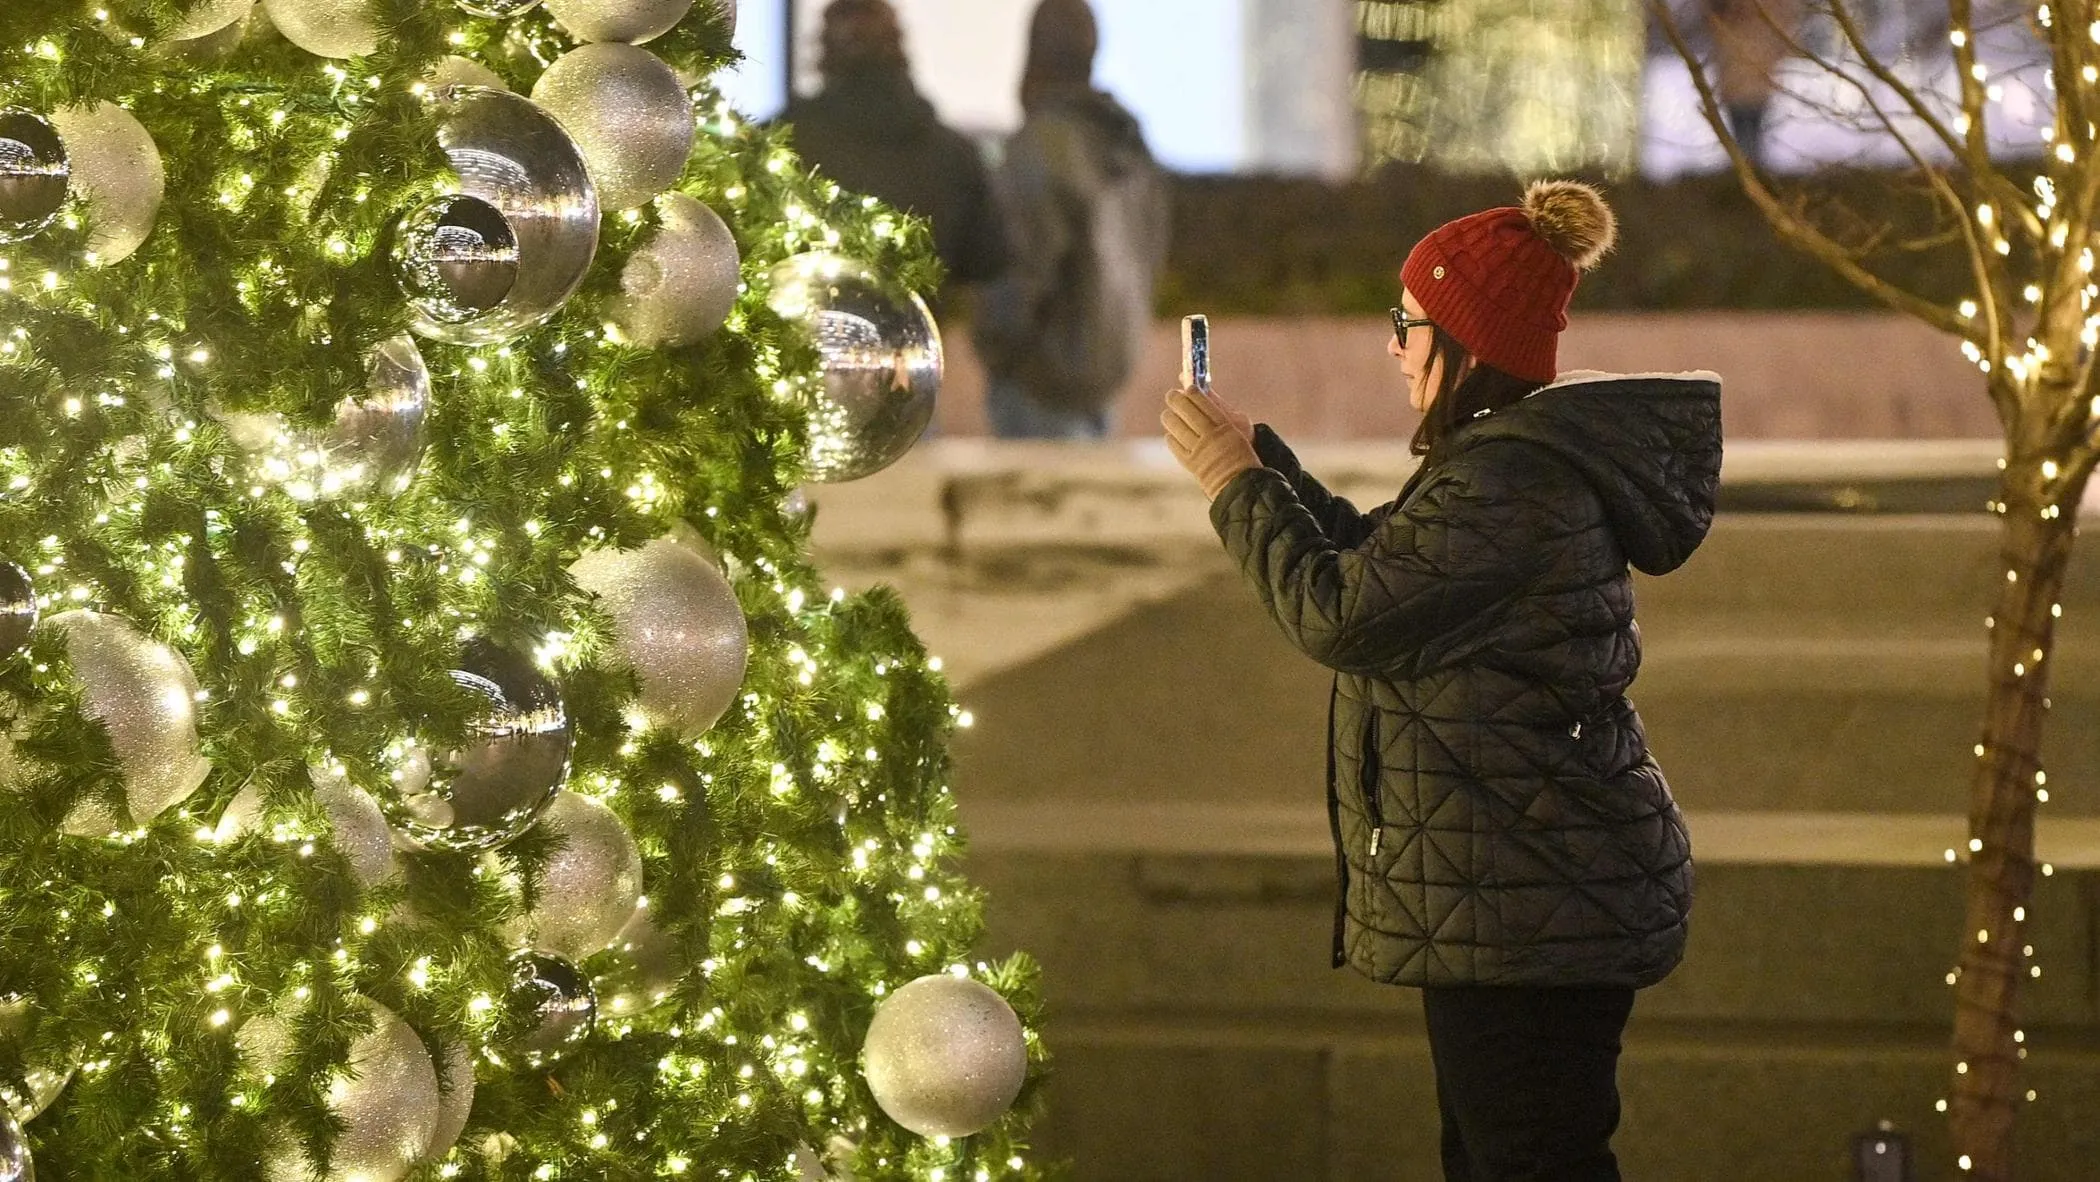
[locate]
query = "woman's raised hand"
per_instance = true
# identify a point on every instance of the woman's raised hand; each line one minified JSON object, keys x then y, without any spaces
{"x":1210,"y":439}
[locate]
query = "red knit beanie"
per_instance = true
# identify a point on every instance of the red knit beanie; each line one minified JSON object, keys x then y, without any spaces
{"x":1499,"y":281}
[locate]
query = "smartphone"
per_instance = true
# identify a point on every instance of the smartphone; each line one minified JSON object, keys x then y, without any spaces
{"x":1195,"y":353}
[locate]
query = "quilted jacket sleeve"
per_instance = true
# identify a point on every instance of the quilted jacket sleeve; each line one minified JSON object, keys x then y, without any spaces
{"x":1343,"y":523}
{"x":1473,"y":535}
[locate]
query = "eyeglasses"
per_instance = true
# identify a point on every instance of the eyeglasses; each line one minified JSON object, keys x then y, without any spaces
{"x":1402,"y":322}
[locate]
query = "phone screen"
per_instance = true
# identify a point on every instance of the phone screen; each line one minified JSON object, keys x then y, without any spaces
{"x":1195,"y":353}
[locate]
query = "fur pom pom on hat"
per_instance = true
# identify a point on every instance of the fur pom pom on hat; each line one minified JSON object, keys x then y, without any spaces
{"x":1499,"y":281}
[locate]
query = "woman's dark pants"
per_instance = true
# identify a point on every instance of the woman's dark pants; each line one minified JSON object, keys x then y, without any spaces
{"x":1527,"y":1081}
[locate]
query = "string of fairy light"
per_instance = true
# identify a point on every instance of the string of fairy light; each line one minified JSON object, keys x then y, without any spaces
{"x":453,"y":574}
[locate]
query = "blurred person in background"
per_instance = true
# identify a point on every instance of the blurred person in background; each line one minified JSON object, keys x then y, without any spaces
{"x":871,"y":130}
{"x":1086,"y":211}
{"x":1751,"y":38}
{"x":1504,"y":841}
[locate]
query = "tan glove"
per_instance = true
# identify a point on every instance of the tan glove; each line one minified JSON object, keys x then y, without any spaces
{"x":1210,"y":439}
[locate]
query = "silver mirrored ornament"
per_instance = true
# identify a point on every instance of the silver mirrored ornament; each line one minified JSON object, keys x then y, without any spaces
{"x":145,"y":695}
{"x":376,"y":440}
{"x":497,"y":8}
{"x":631,"y":21}
{"x":18,"y":609}
{"x":118,"y":173}
{"x":327,"y":28}
{"x":34,"y":173}
{"x":881,"y":359}
{"x":514,"y":762}
{"x":945,"y":1056}
{"x":205,"y":17}
{"x":386,"y":1099}
{"x":15,"y":1162}
{"x":549,"y":1008}
{"x":628,"y":114}
{"x":505,"y":251}
{"x":360,"y":828}
{"x":42,"y":1079}
{"x":677,"y":622}
{"x":590,"y":884}
{"x":680,"y":284}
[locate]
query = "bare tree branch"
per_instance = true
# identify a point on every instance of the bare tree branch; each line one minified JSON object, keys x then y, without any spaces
{"x":1791,"y":226}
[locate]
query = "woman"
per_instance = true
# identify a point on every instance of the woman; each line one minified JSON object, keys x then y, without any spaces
{"x":1503,"y":839}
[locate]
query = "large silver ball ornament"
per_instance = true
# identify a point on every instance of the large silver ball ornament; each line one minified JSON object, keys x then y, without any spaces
{"x":945,"y":1056}
{"x":376,"y":440}
{"x":118,"y":173}
{"x":387,"y":1101}
{"x":679,"y":286}
{"x":677,"y":622}
{"x":515,"y":760}
{"x":43,"y":1080}
{"x":505,"y":251}
{"x":456,"y":1103}
{"x":881,"y":357}
{"x":206,"y":17}
{"x":18,"y":609}
{"x":15,"y":1163}
{"x":549,"y":1009}
{"x":627,"y":113}
{"x":360,"y":828}
{"x":145,"y":694}
{"x":33,"y":173}
{"x":590,"y":884}
{"x":497,"y":8}
{"x":631,"y":21}
{"x":327,"y":28}
{"x":646,"y":968}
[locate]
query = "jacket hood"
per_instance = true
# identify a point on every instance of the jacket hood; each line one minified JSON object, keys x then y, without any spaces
{"x":1649,"y":444}
{"x":878,"y":106}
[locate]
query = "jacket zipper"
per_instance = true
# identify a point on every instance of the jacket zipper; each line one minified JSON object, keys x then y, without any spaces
{"x":1369,"y":774}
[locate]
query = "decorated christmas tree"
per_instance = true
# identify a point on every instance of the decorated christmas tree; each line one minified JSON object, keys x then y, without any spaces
{"x":429,"y":750}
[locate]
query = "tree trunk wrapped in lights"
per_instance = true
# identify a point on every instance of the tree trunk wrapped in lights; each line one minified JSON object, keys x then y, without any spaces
{"x":428,"y":748}
{"x":2021,"y":219}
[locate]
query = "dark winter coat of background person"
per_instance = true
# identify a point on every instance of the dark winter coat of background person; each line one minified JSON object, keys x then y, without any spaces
{"x":873,"y":132}
{"x":1497,"y":817}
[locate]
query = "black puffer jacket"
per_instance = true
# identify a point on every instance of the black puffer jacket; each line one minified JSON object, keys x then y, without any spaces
{"x":1497,"y":817}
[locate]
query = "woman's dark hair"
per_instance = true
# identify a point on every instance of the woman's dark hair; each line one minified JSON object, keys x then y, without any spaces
{"x":1466,"y":388}
{"x":861,"y":36}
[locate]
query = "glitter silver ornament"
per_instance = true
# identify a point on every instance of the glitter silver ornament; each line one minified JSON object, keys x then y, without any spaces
{"x":631,"y":21}
{"x":43,"y":1079}
{"x":15,"y":1163}
{"x":629,"y":116}
{"x":387,"y":1099}
{"x":327,"y":28}
{"x":514,"y":762}
{"x":645,"y":970}
{"x":33,"y":173}
{"x":505,"y":251}
{"x":360,"y":829}
{"x":377,"y":437}
{"x":206,"y":17}
{"x":497,"y":8}
{"x":945,"y":1056}
{"x":881,"y":357}
{"x":590,"y":884}
{"x":548,"y":1010}
{"x":18,"y":609}
{"x":118,"y":173}
{"x":679,"y":285}
{"x":455,"y":70}
{"x":456,"y":1102}
{"x":146,"y":696}
{"x":677,"y":622}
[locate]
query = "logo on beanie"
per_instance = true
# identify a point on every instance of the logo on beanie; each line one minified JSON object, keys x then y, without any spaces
{"x":1437,"y":274}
